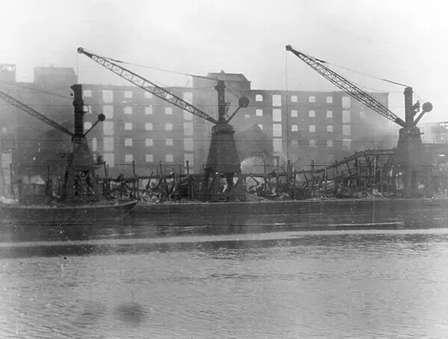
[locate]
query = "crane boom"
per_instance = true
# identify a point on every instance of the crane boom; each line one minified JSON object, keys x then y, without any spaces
{"x":347,"y":86}
{"x":14,"y":102}
{"x":147,"y":85}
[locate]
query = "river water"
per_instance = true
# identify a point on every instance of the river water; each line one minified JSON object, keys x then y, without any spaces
{"x":123,"y":281}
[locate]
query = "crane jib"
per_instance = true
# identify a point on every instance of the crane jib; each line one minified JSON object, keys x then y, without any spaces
{"x":147,"y":85}
{"x":347,"y":86}
{"x":20,"y":105}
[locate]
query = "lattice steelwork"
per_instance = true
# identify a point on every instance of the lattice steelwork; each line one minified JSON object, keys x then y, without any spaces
{"x":147,"y":85}
{"x":347,"y":86}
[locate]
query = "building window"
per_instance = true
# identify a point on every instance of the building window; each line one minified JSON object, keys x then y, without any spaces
{"x":246,"y":116}
{"x":330,"y":128}
{"x":277,"y":130}
{"x":169,"y":158}
{"x":362,"y":114}
{"x":108,"y":111}
{"x":259,"y":112}
{"x":148,"y":110}
{"x":260,"y":125}
{"x":128,"y":142}
{"x":188,"y":115}
{"x":169,"y":142}
{"x":294,"y":98}
{"x":149,"y":142}
{"x":346,"y":130}
{"x":128,"y":110}
{"x":329,"y":100}
{"x":168,"y":127}
{"x":346,"y":143}
{"x":148,"y":126}
{"x":329,"y":143}
{"x":168,"y":110}
{"x":188,"y":128}
{"x":108,"y":144}
{"x":87,"y":125}
{"x":329,"y":114}
{"x":278,"y":145}
{"x":276,"y":100}
{"x":346,"y":117}
{"x":149,"y":158}
{"x":128,"y":94}
{"x":294,"y":128}
{"x":108,"y":96}
{"x":312,"y":98}
{"x":294,"y":113}
{"x":94,"y":144}
{"x":128,"y":126}
{"x":109,"y":158}
{"x":312,"y":143}
{"x":87,"y":93}
{"x":148,"y":95}
{"x":188,"y":144}
{"x":128,"y":158}
{"x":295,"y":143}
{"x":88,"y":109}
{"x":258,"y":97}
{"x":345,"y":102}
{"x":108,"y":128}
{"x":277,"y":114}
{"x":312,"y":128}
{"x":312,"y":114}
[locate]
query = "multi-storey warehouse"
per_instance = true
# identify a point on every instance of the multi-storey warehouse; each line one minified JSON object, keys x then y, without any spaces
{"x":143,"y":133}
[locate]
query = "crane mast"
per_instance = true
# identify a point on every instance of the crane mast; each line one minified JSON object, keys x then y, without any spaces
{"x":147,"y":85}
{"x":410,"y":156}
{"x":347,"y":86}
{"x":80,"y":159}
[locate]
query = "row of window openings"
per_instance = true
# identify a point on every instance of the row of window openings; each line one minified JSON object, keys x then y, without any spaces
{"x":276,"y":116}
{"x":346,"y":143}
{"x":346,"y":130}
{"x":277,"y":99}
{"x":148,"y":158}
{"x":168,"y":158}
{"x":108,"y":126}
{"x":108,"y":143}
{"x":188,"y":143}
{"x":277,"y":129}
{"x":108,"y":112}
{"x":108,"y":95}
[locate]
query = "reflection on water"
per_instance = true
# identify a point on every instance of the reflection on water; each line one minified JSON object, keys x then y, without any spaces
{"x":129,"y":281}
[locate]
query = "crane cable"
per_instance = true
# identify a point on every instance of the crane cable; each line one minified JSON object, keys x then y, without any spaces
{"x":156,"y":68}
{"x":359,"y":72}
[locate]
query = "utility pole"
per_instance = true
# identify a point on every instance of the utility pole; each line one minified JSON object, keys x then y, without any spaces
{"x":409,"y":119}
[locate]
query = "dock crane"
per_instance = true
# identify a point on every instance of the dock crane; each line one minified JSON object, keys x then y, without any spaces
{"x":222,"y":156}
{"x":80,"y":159}
{"x":410,"y":152}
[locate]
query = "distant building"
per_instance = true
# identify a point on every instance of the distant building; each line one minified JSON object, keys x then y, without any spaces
{"x":55,"y":76}
{"x":31,"y":142}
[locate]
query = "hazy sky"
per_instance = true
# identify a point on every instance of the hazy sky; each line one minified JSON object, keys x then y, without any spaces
{"x":401,"y":40}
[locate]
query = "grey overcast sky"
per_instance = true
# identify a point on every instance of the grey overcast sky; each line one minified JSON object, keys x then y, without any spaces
{"x":401,"y":40}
